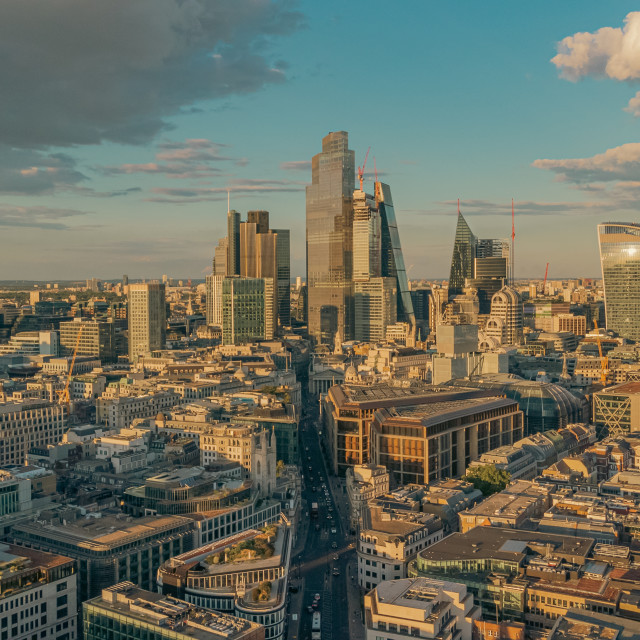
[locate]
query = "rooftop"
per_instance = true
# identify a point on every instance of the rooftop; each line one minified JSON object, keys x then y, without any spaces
{"x":175,"y":615}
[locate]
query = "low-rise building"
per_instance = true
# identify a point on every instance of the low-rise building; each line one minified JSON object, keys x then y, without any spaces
{"x":364,"y":482}
{"x":419,"y":608}
{"x":389,"y":541}
{"x":518,"y":463}
{"x":447,"y":498}
{"x":125,"y":611}
{"x":512,"y":508}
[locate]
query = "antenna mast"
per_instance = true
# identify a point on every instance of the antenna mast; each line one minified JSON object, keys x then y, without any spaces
{"x":513,"y":237}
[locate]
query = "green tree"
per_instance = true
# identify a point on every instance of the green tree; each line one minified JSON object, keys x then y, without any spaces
{"x":279,"y":468}
{"x":488,"y":478}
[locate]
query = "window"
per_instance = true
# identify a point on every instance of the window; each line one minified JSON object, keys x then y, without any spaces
{"x":62,"y":586}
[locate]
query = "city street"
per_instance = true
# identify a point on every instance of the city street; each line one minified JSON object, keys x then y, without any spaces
{"x":328,"y":550}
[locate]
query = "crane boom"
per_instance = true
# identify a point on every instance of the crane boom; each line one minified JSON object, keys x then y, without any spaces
{"x":361,"y":169}
{"x":544,"y":284}
{"x":64,"y":395}
{"x":604,"y":362}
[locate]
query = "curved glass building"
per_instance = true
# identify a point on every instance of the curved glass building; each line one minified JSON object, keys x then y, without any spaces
{"x":620,"y":260}
{"x":545,"y":405}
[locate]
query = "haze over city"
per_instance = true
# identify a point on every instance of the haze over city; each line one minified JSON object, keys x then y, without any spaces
{"x":121,"y":135}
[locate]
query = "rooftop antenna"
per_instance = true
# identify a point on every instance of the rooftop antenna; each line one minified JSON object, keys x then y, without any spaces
{"x":228,"y":199}
{"x":513,"y":238}
{"x":458,"y":206}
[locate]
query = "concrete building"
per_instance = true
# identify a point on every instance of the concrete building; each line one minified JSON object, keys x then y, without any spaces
{"x":374,"y":308}
{"x":364,"y":482}
{"x":213,"y":308}
{"x":38,"y":595}
{"x":15,"y":493}
{"x":109,"y":549}
{"x":147,"y":319}
{"x":517,"y":462}
{"x":389,"y":540}
{"x":505,"y":323}
{"x":422,"y":443}
{"x":120,"y":411}
{"x":97,"y":339}
{"x":125,"y":611}
{"x":447,"y":498}
{"x":29,"y":424}
{"x":419,"y":608}
{"x":247,"y":310}
{"x":512,"y":508}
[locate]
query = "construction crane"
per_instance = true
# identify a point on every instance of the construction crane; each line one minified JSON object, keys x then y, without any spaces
{"x":64,"y":394}
{"x":604,"y":361}
{"x":361,"y":169}
{"x":544,"y":284}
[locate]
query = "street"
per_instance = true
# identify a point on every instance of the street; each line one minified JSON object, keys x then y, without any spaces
{"x":323,"y":564}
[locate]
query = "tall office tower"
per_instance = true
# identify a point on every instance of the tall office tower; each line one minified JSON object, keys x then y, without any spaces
{"x":374,"y":302}
{"x":246,"y":309}
{"x":420,"y":299}
{"x":366,"y":238}
{"x":283,"y":276}
{"x":620,"y":262}
{"x":125,"y":280}
{"x":233,"y":243}
{"x":464,"y":253}
{"x":506,"y":320}
{"x":329,"y":240}
{"x":220,"y":257}
{"x":96,"y":338}
{"x":213,"y":311}
{"x":147,"y":319}
{"x":260,"y":219}
{"x":392,"y":260}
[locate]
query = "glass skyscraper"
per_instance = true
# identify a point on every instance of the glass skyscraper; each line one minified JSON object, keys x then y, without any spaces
{"x":464,"y":253}
{"x":620,"y":261}
{"x":329,"y":240}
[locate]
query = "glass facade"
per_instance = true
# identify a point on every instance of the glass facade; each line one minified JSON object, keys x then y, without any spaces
{"x":233,"y":243}
{"x":391,"y":254}
{"x":283,"y":267}
{"x":620,"y":261}
{"x":244,"y":302}
{"x":329,"y":240}
{"x":462,"y":261}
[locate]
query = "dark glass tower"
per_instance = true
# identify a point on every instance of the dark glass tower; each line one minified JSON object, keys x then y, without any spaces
{"x":620,"y":260}
{"x":464,"y":253}
{"x":329,"y":240}
{"x":392,"y":260}
{"x":233,"y":243}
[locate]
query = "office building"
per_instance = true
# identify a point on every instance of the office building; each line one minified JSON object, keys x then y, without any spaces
{"x":29,"y":424}
{"x":329,"y":214}
{"x":147,"y":319}
{"x":15,"y":493}
{"x":246,"y":574}
{"x":420,"y":608}
{"x":374,"y":302}
{"x":98,"y":339}
{"x":620,"y":262}
{"x":283,"y":276}
{"x":420,"y":299}
{"x":616,"y":409}
{"x":124,"y":611}
{"x":505,"y":324}
{"x":109,"y":549}
{"x":220,"y":257}
{"x":247,"y":309}
{"x":233,"y":243}
{"x":38,"y":595}
{"x":388,"y":540}
{"x":213,"y":310}
{"x":464,"y":253}
{"x":419,"y":444}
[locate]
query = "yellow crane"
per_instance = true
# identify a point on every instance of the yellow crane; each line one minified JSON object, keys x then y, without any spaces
{"x":604,"y":361}
{"x":64,"y":394}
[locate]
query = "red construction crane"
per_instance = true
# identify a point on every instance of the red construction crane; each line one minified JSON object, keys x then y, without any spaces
{"x":544,"y":284}
{"x":361,"y":169}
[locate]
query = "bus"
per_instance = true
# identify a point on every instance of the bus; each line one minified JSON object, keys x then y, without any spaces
{"x":316,"y":626}
{"x":314,"y":509}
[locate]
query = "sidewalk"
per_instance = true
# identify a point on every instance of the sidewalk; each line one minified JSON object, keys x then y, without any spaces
{"x":356,"y":626}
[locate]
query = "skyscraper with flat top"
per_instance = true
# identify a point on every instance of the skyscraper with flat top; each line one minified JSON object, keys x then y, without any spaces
{"x":620,"y":261}
{"x":147,"y":319}
{"x":233,"y":243}
{"x":329,"y":240}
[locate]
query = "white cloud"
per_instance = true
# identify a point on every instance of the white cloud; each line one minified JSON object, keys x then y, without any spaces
{"x":606,"y":53}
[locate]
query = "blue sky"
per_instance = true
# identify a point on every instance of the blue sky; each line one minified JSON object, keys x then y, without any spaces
{"x":127,"y":122}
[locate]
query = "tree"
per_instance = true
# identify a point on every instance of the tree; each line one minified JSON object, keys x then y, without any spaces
{"x":488,"y":478}
{"x":279,"y":468}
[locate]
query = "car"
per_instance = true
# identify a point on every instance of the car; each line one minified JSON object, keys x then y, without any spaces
{"x":336,"y":572}
{"x":317,"y":527}
{"x":335,"y":556}
{"x":314,"y":605}
{"x":310,"y":609}
{"x":334,"y":530}
{"x":316,"y":597}
{"x":334,"y":545}
{"x":293,"y":589}
{"x":310,"y":468}
{"x":329,"y":517}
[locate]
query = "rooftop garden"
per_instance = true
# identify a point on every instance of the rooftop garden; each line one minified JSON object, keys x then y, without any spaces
{"x":260,"y":547}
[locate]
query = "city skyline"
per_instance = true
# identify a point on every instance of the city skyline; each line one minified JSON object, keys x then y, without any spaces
{"x":100,"y":188}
